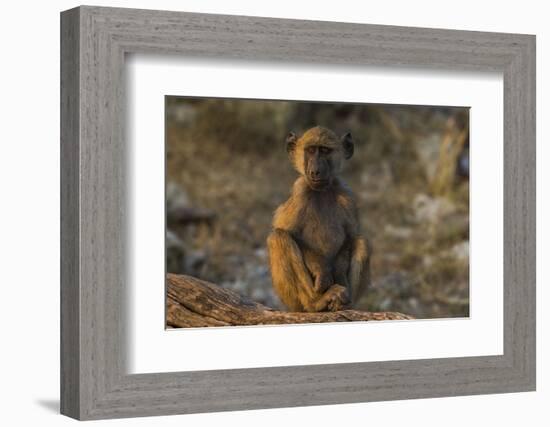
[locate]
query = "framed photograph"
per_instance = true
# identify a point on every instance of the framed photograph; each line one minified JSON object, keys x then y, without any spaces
{"x":261,"y":213}
{"x":229,"y":221}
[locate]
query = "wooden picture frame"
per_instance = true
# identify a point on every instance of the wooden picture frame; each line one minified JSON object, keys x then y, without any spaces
{"x":94,"y":382}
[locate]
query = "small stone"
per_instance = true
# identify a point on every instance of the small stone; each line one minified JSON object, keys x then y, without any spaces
{"x":261,"y":253}
{"x":460,"y":251}
{"x":430,"y":209}
{"x":385,"y":304}
{"x":397,"y":232}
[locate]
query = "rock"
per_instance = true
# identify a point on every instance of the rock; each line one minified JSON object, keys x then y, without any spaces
{"x":385,"y":304}
{"x":413,"y":303}
{"x":397,"y":283}
{"x":181,"y":114}
{"x":430,"y":209}
{"x":374,"y":181}
{"x":261,"y":253}
{"x":238,"y":286}
{"x":460,"y":251}
{"x":176,"y":198}
{"x":258,"y":294}
{"x":175,"y":253}
{"x":463,"y":167}
{"x":427,"y":261}
{"x":428,"y":152}
{"x":397,"y":232}
{"x":194,"y":261}
{"x":180,"y":210}
{"x":390,"y":257}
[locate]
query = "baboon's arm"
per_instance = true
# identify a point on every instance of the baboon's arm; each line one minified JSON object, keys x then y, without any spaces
{"x":359,"y":261}
{"x":359,"y":272}
{"x":288,"y":216}
{"x":287,"y":266}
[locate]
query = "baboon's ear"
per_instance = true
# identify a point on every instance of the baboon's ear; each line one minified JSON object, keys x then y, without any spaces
{"x":291,"y":142}
{"x":347,"y":145}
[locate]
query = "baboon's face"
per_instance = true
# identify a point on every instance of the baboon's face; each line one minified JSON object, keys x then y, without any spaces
{"x":318,"y":155}
{"x":318,"y":166}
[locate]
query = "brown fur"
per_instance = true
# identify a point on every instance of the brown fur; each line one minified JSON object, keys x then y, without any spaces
{"x":318,"y":259}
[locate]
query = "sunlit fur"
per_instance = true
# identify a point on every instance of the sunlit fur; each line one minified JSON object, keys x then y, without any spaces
{"x":318,"y":259}
{"x":318,"y":136}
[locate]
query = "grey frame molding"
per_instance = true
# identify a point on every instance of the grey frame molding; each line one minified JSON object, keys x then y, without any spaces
{"x":94,"y":41}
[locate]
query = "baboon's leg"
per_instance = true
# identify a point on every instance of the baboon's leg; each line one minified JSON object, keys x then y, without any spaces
{"x":341,"y":267}
{"x":290,"y":277}
{"x":334,"y":299}
{"x":320,"y":270}
{"x":292,"y":280}
{"x":359,"y":271}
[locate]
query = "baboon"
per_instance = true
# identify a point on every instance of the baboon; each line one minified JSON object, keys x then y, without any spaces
{"x":318,"y":259}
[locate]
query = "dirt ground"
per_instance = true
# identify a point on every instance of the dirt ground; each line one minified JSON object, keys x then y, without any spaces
{"x":227,"y":171}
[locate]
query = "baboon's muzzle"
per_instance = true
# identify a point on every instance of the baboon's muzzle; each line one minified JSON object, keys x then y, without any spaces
{"x":318,"y":175}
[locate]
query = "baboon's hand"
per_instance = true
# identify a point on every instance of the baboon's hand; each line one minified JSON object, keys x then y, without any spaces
{"x":339,"y":298}
{"x":322,"y":282}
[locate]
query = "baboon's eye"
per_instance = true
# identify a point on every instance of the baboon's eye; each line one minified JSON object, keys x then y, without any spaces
{"x":325,"y":150}
{"x":311,"y":149}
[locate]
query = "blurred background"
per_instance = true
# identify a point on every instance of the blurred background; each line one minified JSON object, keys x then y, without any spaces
{"x":227,"y":171}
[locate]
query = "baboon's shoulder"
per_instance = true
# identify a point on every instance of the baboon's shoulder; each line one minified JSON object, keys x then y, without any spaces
{"x":345,"y":196}
{"x":287,"y":214}
{"x":347,"y":202}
